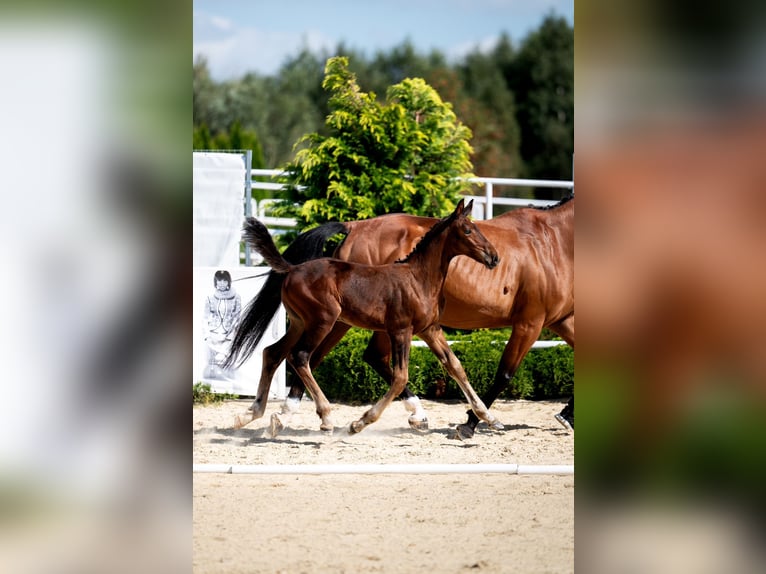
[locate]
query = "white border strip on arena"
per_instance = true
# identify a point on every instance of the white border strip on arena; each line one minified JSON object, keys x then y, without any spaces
{"x":385,"y":468}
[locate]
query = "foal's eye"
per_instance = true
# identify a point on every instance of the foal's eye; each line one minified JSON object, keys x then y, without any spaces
{"x":467,"y":231}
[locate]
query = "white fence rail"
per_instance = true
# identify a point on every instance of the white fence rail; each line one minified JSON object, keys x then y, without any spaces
{"x":483,"y":204}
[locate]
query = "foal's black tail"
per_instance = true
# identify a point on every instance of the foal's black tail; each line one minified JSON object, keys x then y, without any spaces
{"x":261,"y":310}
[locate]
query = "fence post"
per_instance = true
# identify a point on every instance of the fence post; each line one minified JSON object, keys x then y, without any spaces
{"x":488,"y":195}
{"x":248,"y":195}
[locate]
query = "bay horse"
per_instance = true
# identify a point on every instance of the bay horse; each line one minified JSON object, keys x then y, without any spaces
{"x":532,"y":288}
{"x":398,"y":300}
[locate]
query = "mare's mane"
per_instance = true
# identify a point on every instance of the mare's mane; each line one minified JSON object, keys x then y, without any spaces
{"x":555,"y":205}
{"x":435,"y":231}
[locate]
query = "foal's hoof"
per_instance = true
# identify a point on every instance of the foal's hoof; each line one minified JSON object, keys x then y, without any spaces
{"x":327,"y":428}
{"x":242,"y":420}
{"x":355,"y":427}
{"x":418,"y":425}
{"x":275,"y":426}
{"x":463,"y":432}
{"x":496,"y":425}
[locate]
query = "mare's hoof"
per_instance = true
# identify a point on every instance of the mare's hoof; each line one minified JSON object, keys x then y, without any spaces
{"x":327,"y":428}
{"x":564,"y":422}
{"x":275,"y":426}
{"x":418,"y":425}
{"x":463,"y":432}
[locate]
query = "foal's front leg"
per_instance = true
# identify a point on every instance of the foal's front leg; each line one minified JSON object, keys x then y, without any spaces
{"x":378,"y":356}
{"x":434,"y":338}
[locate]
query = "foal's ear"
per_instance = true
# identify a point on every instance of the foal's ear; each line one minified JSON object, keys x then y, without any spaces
{"x":468,"y":208}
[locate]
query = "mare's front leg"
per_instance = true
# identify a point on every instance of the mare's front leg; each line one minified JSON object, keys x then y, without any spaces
{"x":400,"y":358}
{"x":565,"y":329}
{"x":434,"y":338}
{"x":523,"y":336}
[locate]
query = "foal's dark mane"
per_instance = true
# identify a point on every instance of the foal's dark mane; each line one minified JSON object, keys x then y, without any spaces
{"x":436,"y":230}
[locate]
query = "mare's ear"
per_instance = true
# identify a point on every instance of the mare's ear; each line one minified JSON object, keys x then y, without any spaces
{"x":468,"y":208}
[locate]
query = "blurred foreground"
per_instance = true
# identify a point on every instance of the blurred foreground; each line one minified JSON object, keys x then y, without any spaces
{"x":671,"y":287}
{"x":95,"y":203}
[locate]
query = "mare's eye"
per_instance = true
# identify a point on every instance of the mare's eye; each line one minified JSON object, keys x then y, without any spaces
{"x":467,"y":231}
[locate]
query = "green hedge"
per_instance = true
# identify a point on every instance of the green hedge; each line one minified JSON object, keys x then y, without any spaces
{"x":544,"y":373}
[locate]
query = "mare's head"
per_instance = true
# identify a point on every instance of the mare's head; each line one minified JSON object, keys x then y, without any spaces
{"x":466,"y":239}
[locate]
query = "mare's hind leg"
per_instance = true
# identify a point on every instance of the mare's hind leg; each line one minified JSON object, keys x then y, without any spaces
{"x":378,"y":356}
{"x":434,"y":337}
{"x":522,"y":338}
{"x":400,"y":346}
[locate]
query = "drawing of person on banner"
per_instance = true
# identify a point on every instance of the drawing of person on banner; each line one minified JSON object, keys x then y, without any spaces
{"x":222,"y":310}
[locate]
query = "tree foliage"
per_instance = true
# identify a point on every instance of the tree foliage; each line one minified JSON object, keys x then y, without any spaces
{"x":234,"y":138}
{"x":541,"y":75}
{"x":517,"y":99}
{"x":402,"y":154}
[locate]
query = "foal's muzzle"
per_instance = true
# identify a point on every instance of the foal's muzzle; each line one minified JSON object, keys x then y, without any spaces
{"x":491,"y":260}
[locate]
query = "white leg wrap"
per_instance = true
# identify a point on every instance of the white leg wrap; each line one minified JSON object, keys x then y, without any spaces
{"x":291,"y":405}
{"x":413,"y":406}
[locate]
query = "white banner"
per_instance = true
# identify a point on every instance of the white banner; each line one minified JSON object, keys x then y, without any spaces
{"x":219,"y":191}
{"x":216,"y":314}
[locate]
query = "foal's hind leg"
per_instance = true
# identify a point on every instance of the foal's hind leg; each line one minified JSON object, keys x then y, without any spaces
{"x":378,"y":356}
{"x":300,"y":359}
{"x":297,"y":388}
{"x":273,"y":355}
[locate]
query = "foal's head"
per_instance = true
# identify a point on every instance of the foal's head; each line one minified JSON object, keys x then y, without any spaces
{"x":467,"y":239}
{"x":462,"y":238}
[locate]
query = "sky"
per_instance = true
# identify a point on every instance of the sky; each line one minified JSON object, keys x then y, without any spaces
{"x":240,"y":36}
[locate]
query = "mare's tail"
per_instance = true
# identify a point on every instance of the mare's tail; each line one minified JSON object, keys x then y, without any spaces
{"x":261,"y":310}
{"x":257,"y":235}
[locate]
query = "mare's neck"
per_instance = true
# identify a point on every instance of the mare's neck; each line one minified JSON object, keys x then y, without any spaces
{"x":430,"y":265}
